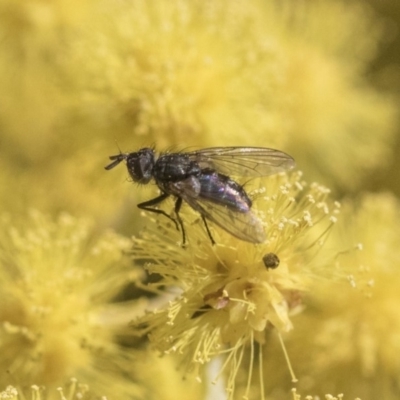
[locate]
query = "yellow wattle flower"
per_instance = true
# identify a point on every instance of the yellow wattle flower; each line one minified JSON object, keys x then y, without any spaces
{"x":58,"y":279}
{"x":347,"y":338}
{"x":224,"y":299}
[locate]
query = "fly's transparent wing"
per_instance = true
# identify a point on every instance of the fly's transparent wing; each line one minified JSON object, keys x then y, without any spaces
{"x":243,"y":161}
{"x":243,"y":225}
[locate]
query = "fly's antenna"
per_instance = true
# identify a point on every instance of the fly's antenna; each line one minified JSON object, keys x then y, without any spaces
{"x":116,"y":159}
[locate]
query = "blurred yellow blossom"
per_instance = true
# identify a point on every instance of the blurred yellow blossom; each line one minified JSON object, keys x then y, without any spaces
{"x":173,"y":73}
{"x":59,"y":319}
{"x":347,"y":339}
{"x":34,"y":100}
{"x":287,"y":74}
{"x":80,"y":391}
{"x":224,"y":299}
{"x":73,"y":390}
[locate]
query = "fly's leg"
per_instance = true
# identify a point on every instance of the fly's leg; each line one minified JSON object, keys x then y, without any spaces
{"x":178,"y":205}
{"x":207,"y":229}
{"x":147,"y":205}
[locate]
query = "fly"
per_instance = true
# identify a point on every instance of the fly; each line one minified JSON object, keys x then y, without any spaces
{"x":202,"y":179}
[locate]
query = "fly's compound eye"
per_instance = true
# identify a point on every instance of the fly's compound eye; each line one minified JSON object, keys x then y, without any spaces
{"x":271,"y":260}
{"x":140,"y":165}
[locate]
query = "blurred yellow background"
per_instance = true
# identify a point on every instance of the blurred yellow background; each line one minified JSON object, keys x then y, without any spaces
{"x":83,"y":80}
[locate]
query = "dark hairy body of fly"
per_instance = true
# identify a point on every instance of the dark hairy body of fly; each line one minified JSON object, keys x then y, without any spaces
{"x":202,"y":179}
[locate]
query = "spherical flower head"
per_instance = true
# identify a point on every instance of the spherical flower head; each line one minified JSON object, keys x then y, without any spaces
{"x":348,"y":340}
{"x":225,"y":298}
{"x":245,"y":72}
{"x":177,"y":73}
{"x":330,"y":109}
{"x":58,"y":279}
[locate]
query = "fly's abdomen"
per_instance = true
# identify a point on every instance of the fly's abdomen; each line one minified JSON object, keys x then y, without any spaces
{"x":220,"y":189}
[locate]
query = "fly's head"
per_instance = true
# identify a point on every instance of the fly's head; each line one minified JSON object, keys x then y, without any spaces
{"x":140,"y":164}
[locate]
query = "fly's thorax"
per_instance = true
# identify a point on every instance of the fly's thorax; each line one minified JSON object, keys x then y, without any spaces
{"x":174,"y":168}
{"x":140,"y":165}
